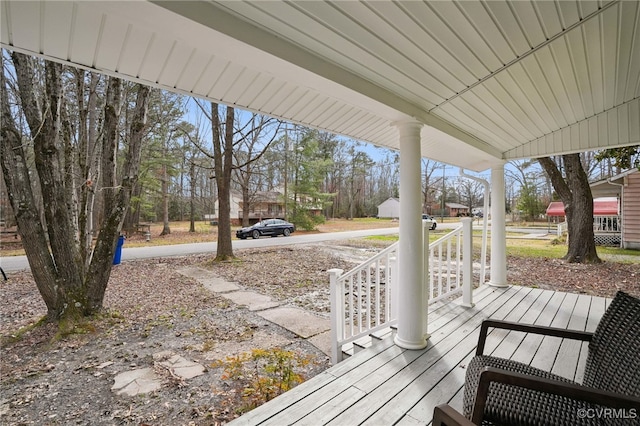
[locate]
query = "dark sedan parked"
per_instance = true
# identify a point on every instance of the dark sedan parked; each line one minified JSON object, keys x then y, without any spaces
{"x":271,"y":227}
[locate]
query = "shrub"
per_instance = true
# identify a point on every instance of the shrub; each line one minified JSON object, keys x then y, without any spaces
{"x":262,"y":374}
{"x":304,"y":220}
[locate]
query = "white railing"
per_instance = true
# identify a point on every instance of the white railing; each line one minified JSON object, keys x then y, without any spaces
{"x":444,"y":266}
{"x":608,"y":224}
{"x":362,"y":300}
{"x":562,"y":229}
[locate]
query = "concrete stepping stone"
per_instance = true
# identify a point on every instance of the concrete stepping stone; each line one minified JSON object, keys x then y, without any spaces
{"x":182,"y":367}
{"x":209,"y":280}
{"x":253,"y":301}
{"x":219,"y":285}
{"x":195,"y":272}
{"x":304,"y":324}
{"x":299,"y":321}
{"x":145,"y":380}
{"x":134,"y":382}
{"x":322,"y":341}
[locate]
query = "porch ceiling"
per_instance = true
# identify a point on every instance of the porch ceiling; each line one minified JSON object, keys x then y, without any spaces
{"x":492,"y":80}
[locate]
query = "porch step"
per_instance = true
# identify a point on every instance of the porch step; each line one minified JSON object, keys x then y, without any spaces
{"x":365,"y":342}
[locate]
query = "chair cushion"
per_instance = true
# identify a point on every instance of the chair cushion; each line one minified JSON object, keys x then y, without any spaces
{"x":513,"y":405}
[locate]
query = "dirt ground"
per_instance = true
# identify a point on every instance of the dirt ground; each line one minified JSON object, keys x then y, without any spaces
{"x":48,"y":379}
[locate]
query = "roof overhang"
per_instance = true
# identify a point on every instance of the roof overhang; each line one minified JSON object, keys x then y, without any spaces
{"x":603,"y":206}
{"x":491,"y":81}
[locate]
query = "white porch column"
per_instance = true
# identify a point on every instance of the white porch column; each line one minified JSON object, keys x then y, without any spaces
{"x":411,"y":312}
{"x":498,"y":232}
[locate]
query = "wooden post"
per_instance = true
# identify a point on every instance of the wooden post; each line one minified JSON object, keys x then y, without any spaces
{"x":337,"y":314}
{"x":426,"y":282}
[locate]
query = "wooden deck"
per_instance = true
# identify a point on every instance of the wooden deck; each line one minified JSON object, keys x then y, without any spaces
{"x":387,"y":385}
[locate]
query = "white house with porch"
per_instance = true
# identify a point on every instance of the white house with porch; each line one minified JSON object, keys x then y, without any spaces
{"x":625,"y":188}
{"x":607,"y":220}
{"x":471,"y":84}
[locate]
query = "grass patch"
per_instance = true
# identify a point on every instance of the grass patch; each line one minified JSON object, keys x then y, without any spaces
{"x":546,"y":249}
{"x":433,"y":235}
{"x":617,"y":251}
{"x":535,"y":248}
{"x":390,"y":238}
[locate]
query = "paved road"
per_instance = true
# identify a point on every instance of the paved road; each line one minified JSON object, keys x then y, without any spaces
{"x":17,"y":263}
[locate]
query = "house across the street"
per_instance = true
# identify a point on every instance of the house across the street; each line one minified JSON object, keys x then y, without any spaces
{"x":389,"y":209}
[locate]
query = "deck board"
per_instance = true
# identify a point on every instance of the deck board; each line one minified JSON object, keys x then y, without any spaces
{"x":529,"y":346}
{"x":569,"y":352}
{"x":386,"y":384}
{"x":549,"y":347}
{"x":439,"y":344}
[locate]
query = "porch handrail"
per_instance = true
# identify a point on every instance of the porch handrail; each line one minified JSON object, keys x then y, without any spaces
{"x":363,"y":299}
{"x":351,"y":316}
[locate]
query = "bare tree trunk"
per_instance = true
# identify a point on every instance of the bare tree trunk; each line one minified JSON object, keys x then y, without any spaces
{"x":192,"y":196}
{"x":133,"y":213}
{"x":118,"y":200}
{"x":166,"y":230}
{"x":575,"y":193}
{"x":246,"y":204}
{"x":223,"y":162}
{"x":68,"y":288}
{"x":88,"y":160}
{"x":17,"y":179}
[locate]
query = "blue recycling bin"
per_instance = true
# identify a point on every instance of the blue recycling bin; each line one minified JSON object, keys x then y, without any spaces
{"x":118,"y":254}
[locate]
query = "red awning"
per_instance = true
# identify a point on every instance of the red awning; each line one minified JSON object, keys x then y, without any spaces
{"x":556,"y":208}
{"x":601,"y":207}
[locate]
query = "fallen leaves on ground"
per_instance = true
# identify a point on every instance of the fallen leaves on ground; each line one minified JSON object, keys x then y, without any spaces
{"x":602,"y":279}
{"x":150,"y":308}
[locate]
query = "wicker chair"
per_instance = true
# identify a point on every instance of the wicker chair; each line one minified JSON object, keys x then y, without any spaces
{"x":504,"y":392}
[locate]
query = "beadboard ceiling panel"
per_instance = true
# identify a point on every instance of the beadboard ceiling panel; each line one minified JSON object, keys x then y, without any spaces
{"x":490,"y":80}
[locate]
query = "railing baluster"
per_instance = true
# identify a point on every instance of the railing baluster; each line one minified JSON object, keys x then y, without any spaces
{"x":393,"y":287}
{"x":359,"y":294}
{"x":440,"y":271}
{"x":377,"y":292}
{"x":458,"y":262}
{"x":387,"y":289}
{"x":368,"y":273}
{"x":448,"y":266}
{"x":352,"y":318}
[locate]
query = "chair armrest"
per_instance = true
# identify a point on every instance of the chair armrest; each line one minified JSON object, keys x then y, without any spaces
{"x":528,"y":328}
{"x":446,"y":415}
{"x":568,"y":390}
